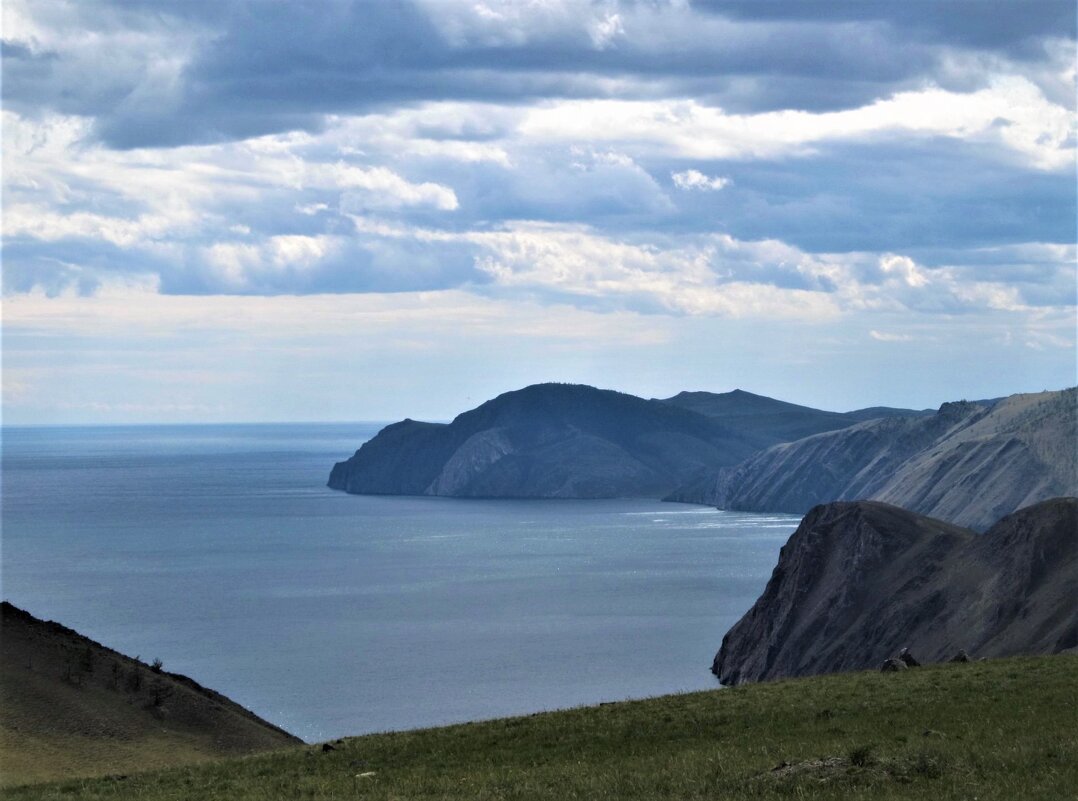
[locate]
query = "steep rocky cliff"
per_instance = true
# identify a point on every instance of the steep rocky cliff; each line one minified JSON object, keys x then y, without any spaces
{"x":969,"y":464}
{"x":859,"y":581}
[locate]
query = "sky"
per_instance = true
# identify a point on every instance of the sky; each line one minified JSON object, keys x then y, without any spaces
{"x":242,"y":210}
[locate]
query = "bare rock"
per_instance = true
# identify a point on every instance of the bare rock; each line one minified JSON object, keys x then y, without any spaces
{"x":908,"y":658}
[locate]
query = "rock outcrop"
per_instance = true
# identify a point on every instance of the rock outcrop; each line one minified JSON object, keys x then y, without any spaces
{"x":970,"y":463}
{"x":860,"y":581}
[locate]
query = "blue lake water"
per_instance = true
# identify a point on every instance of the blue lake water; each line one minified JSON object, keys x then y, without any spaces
{"x":219,"y":550}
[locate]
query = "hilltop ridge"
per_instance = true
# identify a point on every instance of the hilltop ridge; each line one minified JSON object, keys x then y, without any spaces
{"x":773,"y":421}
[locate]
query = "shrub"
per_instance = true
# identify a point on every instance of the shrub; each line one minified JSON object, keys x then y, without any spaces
{"x":863,"y":755}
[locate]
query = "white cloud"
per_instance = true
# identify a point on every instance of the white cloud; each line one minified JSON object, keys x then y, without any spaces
{"x":238,"y":264}
{"x":882,"y":336}
{"x":489,"y":23}
{"x":712,"y":274}
{"x":1012,"y":112}
{"x":46,"y":225}
{"x":904,"y":270}
{"x":381,"y":187}
{"x":53,"y":178}
{"x":605,"y":30}
{"x":694,"y":179}
{"x":126,"y":309}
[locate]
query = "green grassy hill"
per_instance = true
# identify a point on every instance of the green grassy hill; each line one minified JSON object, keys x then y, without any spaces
{"x":69,"y":706}
{"x":998,"y":730}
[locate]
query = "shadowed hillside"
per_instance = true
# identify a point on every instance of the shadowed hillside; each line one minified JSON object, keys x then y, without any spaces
{"x":859,"y":581}
{"x":69,"y":706}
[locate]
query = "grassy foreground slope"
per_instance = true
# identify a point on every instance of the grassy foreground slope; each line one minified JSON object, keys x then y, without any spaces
{"x":989,"y":730}
{"x":69,"y":706}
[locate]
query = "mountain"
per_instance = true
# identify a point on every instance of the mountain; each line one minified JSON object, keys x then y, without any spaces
{"x":859,"y":581}
{"x":546,"y":441}
{"x":969,"y":463}
{"x":69,"y":706}
{"x":772,"y":421}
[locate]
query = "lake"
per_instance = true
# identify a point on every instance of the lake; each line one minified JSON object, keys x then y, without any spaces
{"x":219,"y":550}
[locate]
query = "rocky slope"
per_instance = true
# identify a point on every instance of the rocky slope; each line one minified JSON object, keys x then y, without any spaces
{"x":546,"y":441}
{"x":859,"y":581}
{"x":69,"y":706}
{"x":969,"y":464}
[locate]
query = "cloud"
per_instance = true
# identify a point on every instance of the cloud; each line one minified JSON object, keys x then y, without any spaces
{"x":881,"y":336}
{"x":164,"y":74}
{"x":717,"y":274}
{"x":429,"y":179}
{"x":1012,"y":113}
{"x":1007,"y":25}
{"x":694,"y":179}
{"x":126,"y":308}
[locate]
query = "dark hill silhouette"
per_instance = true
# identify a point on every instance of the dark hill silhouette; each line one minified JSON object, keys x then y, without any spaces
{"x":772,"y":421}
{"x":546,"y":441}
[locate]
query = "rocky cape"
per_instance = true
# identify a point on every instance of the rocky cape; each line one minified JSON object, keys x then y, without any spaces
{"x":576,"y":441}
{"x":545,"y":441}
{"x":859,"y":581}
{"x":970,"y":463}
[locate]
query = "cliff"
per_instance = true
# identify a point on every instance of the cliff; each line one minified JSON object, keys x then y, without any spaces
{"x":859,"y":581}
{"x":546,"y":441}
{"x":969,"y":463}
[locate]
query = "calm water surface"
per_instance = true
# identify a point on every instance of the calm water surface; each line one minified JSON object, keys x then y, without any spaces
{"x":219,"y":550}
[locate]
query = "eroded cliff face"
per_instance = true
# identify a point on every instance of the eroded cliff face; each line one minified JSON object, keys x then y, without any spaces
{"x":968,"y":464}
{"x":859,"y":581}
{"x":474,"y":457}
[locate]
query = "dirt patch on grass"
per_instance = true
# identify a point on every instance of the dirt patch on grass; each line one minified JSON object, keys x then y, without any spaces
{"x":861,"y":765}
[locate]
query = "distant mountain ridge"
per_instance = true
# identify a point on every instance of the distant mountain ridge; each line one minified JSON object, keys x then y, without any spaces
{"x":969,"y":463}
{"x":860,"y":580}
{"x":774,"y":421}
{"x":574,"y":441}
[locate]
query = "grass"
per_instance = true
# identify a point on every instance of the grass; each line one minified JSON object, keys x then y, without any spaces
{"x":1001,"y":730}
{"x":70,"y":707}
